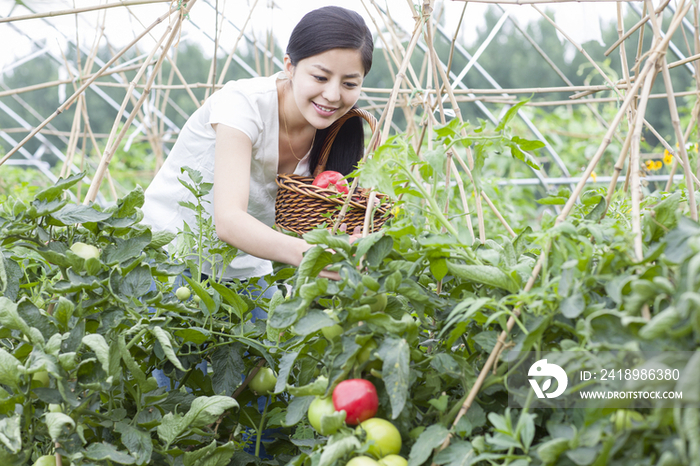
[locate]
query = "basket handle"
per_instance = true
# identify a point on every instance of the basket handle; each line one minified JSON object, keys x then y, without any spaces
{"x":333,"y":132}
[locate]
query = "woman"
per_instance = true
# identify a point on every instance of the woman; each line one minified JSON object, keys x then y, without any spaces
{"x":253,"y":129}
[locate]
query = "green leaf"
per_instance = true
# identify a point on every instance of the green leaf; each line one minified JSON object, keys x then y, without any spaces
{"x":98,"y":345}
{"x":73,"y":214}
{"x":550,"y":451}
{"x":161,"y":238}
{"x":312,"y":322}
{"x":333,"y":422}
{"x":440,"y":403}
{"x":583,"y":456}
{"x":53,"y":192}
{"x":137,"y":442}
{"x":395,"y":372}
{"x":202,"y":293}
{"x":164,"y":339}
{"x":297,"y":409}
{"x":136,"y":283}
{"x":56,"y":422}
{"x":573,"y":306}
{"x":207,"y":409}
{"x":285,"y":368}
{"x":484,"y":274}
{"x":324,"y":237}
{"x":438,"y":267}
{"x":597,"y":213}
{"x":526,"y":423}
{"x":105,"y":451}
{"x":10,"y":433}
{"x":316,"y":388}
{"x":203,"y":411}
{"x":526,"y":144}
{"x":512,"y":111}
{"x":458,"y":453}
{"x":228,"y":367}
{"x":9,"y":317}
{"x":315,"y":260}
{"x":196,"y":335}
{"x":125,"y":249}
{"x":239,"y":305}
{"x":211,"y":455}
{"x":431,"y":438}
{"x":132,"y":365}
{"x":380,"y":250}
{"x":364,"y":244}
{"x":337,"y":447}
{"x":286,"y":314}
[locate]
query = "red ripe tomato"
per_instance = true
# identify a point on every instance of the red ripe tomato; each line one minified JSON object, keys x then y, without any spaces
{"x":358,"y":398}
{"x":330,"y":180}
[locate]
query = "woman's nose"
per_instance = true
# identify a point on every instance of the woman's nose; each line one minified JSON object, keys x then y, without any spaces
{"x":331,"y":93}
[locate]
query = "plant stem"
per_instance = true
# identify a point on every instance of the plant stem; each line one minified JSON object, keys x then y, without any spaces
{"x":260,"y":429}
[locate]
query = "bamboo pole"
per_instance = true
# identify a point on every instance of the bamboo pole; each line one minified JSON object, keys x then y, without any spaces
{"x":171,"y":32}
{"x":400,"y":76}
{"x":72,"y":11}
{"x":637,"y":25}
{"x":224,"y":69}
{"x":82,"y":88}
{"x":656,"y":51}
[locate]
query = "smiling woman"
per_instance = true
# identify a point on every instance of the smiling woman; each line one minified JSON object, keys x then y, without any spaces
{"x":254,"y":129}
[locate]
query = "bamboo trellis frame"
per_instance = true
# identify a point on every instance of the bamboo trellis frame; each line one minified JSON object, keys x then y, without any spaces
{"x":418,"y":93}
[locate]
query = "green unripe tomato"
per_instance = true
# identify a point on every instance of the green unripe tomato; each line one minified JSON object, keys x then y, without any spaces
{"x":263,"y":382}
{"x":196,"y":298}
{"x":46,"y":460}
{"x":331,"y":332}
{"x":86,"y":251}
{"x":382,"y":437}
{"x":393,"y":460}
{"x":318,"y":408}
{"x":42,"y":377}
{"x":362,"y":461}
{"x":183,"y":293}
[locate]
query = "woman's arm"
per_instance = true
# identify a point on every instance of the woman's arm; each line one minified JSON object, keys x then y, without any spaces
{"x":234,"y":224}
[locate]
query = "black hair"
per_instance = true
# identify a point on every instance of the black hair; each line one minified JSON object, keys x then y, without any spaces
{"x":320,"y":30}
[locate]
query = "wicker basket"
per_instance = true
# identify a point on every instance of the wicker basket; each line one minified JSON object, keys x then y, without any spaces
{"x":301,"y":206}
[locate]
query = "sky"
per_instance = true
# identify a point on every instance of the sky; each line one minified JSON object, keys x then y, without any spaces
{"x":278,"y":15}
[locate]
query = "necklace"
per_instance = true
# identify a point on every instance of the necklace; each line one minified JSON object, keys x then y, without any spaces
{"x":286,"y":130}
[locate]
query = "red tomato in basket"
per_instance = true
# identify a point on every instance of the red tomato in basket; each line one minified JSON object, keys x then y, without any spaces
{"x":331,"y":180}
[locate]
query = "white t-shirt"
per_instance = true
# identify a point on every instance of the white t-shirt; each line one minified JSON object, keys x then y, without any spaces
{"x":251,"y":106}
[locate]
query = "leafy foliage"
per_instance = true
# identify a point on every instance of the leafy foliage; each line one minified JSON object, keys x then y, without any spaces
{"x":420,"y":305}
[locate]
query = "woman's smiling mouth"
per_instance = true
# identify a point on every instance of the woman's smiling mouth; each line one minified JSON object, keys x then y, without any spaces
{"x":324,"y":110}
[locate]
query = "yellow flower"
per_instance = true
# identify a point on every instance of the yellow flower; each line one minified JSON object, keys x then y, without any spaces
{"x":594,"y":176}
{"x":650,"y":164}
{"x":658,"y":165}
{"x":668,"y":158}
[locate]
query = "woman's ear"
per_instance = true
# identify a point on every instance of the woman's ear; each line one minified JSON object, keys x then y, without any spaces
{"x":288,"y":67}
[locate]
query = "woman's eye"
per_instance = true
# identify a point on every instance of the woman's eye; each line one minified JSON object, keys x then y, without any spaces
{"x":320,"y":78}
{"x":351,"y":85}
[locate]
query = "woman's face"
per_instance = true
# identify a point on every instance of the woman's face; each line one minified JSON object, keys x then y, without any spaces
{"x":327,"y":85}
